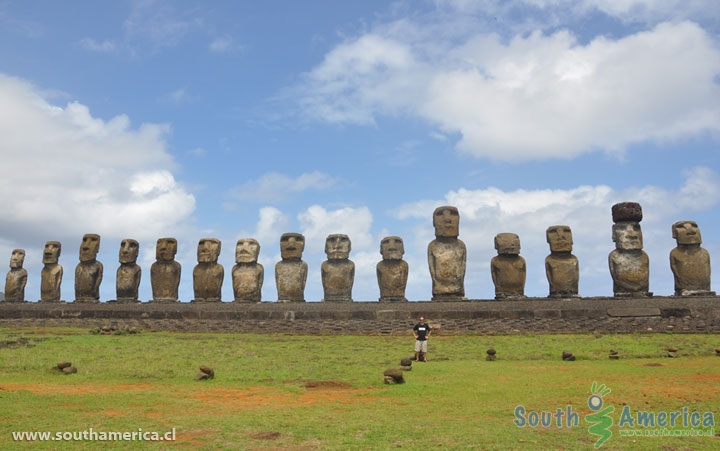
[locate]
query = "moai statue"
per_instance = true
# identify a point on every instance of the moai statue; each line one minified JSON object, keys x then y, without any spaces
{"x":165,"y":272}
{"x":247,"y":274}
{"x":561,"y":266}
{"x":392,"y":271}
{"x":16,"y":278}
{"x":89,"y":272}
{"x":291,"y":271}
{"x":689,"y":262}
{"x":128,"y":274}
{"x":447,"y":256}
{"x":51,"y":274}
{"x":338,"y":271}
{"x":629,"y":264}
{"x":508,"y":267}
{"x":208,"y":274}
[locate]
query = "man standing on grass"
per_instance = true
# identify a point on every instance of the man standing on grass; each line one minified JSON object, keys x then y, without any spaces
{"x":422,"y":333}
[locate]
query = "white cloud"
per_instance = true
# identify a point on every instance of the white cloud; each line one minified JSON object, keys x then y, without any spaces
{"x":532,"y":97}
{"x":586,"y":209}
{"x":66,"y":173}
{"x":106,"y":46}
{"x":178,"y":97}
{"x":317,"y":223}
{"x":275,"y":186}
{"x":160,"y":23}
{"x":225,"y":44}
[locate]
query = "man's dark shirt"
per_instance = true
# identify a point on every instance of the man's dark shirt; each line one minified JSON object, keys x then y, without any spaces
{"x":422,"y":331}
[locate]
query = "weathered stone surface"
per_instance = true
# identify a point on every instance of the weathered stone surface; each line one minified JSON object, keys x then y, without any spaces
{"x":69,"y":370}
{"x":51,"y":274}
{"x":291,"y":272}
{"x":395,"y":374}
{"x":690,"y":263}
{"x":202,"y":376}
{"x":165,"y":272}
{"x":447,"y":256}
{"x":127,"y":280}
{"x":629,"y":264}
{"x":89,"y":272}
{"x":207,"y":370}
{"x":247,"y":274}
{"x":406,"y":361}
{"x":627,"y":211}
{"x":406,"y":368}
{"x":491,"y":357}
{"x":508,"y":267}
{"x":634,"y":311}
{"x":338,"y":272}
{"x":491,"y":351}
{"x":568,"y":356}
{"x":561,"y":267}
{"x":392,"y":271}
{"x":62,"y":365}
{"x":16,"y":278}
{"x":208,"y":274}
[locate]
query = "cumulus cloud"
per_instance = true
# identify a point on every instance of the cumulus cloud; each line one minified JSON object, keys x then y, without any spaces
{"x":274,"y":186}
{"x":586,"y":209}
{"x":532,"y":96}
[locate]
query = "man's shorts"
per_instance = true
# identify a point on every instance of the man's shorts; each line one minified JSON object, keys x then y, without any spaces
{"x":420,"y":345}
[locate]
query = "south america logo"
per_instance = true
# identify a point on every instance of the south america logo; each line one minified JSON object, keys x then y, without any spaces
{"x":600,"y":419}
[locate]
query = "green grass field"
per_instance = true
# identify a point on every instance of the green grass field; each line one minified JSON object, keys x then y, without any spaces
{"x":327,"y":392}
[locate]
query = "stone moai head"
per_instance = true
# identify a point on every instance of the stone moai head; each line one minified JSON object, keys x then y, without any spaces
{"x":446,"y":221}
{"x":89,"y":247}
{"x":560,"y":238}
{"x":208,"y":250}
{"x":507,"y":244}
{"x":392,"y":248}
{"x":292,"y":245}
{"x":337,"y":247}
{"x":129,"y":251}
{"x":166,"y":249}
{"x":247,"y":250}
{"x":17,"y":258}
{"x":686,"y":232}
{"x":51,"y":254}
{"x":626,"y":232}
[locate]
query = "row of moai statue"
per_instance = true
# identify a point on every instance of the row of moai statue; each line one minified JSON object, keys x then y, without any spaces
{"x":447,"y":256}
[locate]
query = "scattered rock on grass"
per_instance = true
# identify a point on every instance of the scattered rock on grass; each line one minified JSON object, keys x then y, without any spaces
{"x":491,"y":355}
{"x":205,"y":373}
{"x":717,"y":352}
{"x":62,"y":365}
{"x":672,"y":352}
{"x":406,"y":368}
{"x":69,"y":370}
{"x":394,"y":376}
{"x":568,"y":356}
{"x":406,"y":362}
{"x":614,"y":355}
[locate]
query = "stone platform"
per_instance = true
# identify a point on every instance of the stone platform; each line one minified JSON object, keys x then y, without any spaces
{"x":530,"y":315}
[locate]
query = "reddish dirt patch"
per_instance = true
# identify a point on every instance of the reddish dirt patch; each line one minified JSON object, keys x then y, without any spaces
{"x":328,"y":385}
{"x":193,"y":439}
{"x":113,"y":413}
{"x":45,"y":389}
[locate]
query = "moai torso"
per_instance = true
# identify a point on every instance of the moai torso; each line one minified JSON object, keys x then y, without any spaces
{"x":392,"y":271}
{"x":16,"y":278}
{"x":89,"y":272}
{"x":447,"y":256}
{"x":208,"y":275}
{"x":689,"y":262}
{"x":165,"y":272}
{"x":247,"y":274}
{"x":508,"y":267}
{"x":291,"y":271}
{"x":629,"y":264}
{"x":561,"y":267}
{"x":338,"y":272}
{"x":51,"y":274}
{"x":127,"y":281}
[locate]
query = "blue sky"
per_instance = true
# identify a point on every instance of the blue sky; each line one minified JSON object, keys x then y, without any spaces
{"x":146,"y":119}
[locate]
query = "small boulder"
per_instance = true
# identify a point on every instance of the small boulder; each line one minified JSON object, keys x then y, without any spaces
{"x":614,"y":355}
{"x":568,"y":356}
{"x":717,"y":351}
{"x":672,"y":349}
{"x":491,"y":351}
{"x":69,"y":370}
{"x":672,"y":354}
{"x":207,"y":370}
{"x":490,"y":358}
{"x":63,"y":365}
{"x":406,"y":368}
{"x":396,"y":374}
{"x":406,"y":362}
{"x":202,"y":376}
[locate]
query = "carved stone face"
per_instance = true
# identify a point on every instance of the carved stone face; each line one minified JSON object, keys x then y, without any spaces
{"x":17,"y":259}
{"x":129,"y":251}
{"x":686,"y":232}
{"x":507,"y":243}
{"x":166,"y":249}
{"x":208,"y":250}
{"x":627,"y":235}
{"x":89,"y":247}
{"x":560,"y":238}
{"x":446,"y":221}
{"x":292,"y":245}
{"x":51,"y":254}
{"x":337,"y":247}
{"x":247,"y":250}
{"x":392,"y":248}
